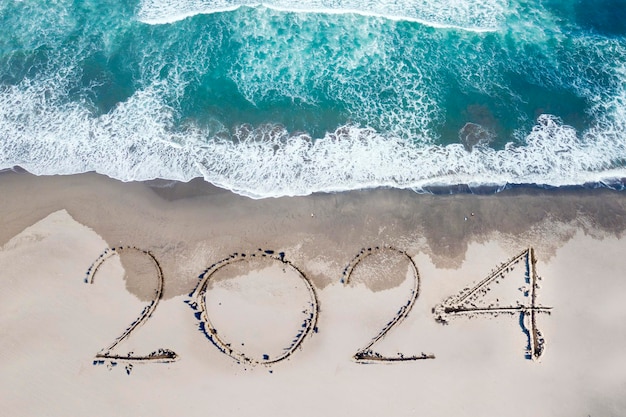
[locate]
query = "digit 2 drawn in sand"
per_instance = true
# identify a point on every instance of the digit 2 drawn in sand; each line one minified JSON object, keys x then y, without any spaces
{"x":198,"y":303}
{"x":464,"y":303}
{"x":366,"y":354}
{"x":106,"y":355}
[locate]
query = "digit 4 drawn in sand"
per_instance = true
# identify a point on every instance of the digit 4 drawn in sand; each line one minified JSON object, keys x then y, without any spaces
{"x":466,"y":302}
{"x":106,"y":355}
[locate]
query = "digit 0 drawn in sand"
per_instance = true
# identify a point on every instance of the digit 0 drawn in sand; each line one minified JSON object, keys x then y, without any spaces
{"x":466,"y":302}
{"x":106,"y":355}
{"x":198,"y":301}
{"x":366,"y":354}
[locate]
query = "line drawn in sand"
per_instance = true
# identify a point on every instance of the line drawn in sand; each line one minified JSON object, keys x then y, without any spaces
{"x":106,"y":356}
{"x":198,"y":303}
{"x":366,"y":354}
{"x":466,"y":302}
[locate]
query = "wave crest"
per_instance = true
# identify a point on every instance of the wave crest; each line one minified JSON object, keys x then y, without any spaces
{"x":482,"y":16}
{"x":137,"y":141}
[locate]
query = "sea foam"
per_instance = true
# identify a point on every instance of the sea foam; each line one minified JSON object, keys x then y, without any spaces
{"x":398,"y":94}
{"x":481,"y":16}
{"x":138,"y":141}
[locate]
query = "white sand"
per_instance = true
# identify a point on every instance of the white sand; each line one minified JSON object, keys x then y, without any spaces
{"x":52,"y":324}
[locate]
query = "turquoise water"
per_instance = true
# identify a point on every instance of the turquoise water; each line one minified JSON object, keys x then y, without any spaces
{"x":275,"y":99}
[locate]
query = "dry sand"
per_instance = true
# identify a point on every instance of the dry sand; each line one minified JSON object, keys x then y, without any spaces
{"x":52,"y":323}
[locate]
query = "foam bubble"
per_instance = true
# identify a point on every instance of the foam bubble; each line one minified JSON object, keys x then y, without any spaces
{"x":482,"y":16}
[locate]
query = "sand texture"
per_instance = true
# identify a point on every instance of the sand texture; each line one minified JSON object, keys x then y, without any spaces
{"x":161,"y":299}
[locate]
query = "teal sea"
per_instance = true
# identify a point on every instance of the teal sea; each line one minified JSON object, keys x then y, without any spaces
{"x":291,"y":98}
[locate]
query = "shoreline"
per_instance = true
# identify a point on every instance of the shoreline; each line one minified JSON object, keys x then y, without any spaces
{"x":209,"y":223}
{"x":614,"y":183}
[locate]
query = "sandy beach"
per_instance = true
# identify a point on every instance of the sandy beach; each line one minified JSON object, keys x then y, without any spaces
{"x":477,"y":305}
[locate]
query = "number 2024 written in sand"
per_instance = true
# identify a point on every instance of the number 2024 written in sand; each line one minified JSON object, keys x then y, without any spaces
{"x":466,"y":303}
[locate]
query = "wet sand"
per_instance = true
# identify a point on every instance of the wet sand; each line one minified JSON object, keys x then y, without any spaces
{"x":475,"y":362}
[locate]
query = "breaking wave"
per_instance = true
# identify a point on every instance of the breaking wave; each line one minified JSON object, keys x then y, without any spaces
{"x":486,"y":15}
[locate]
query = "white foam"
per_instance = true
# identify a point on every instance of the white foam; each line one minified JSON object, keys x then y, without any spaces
{"x":480,"y":16}
{"x":137,"y":140}
{"x":354,"y":158}
{"x":132,"y":142}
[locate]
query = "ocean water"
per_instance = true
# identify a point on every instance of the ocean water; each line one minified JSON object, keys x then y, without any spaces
{"x":291,"y":97}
